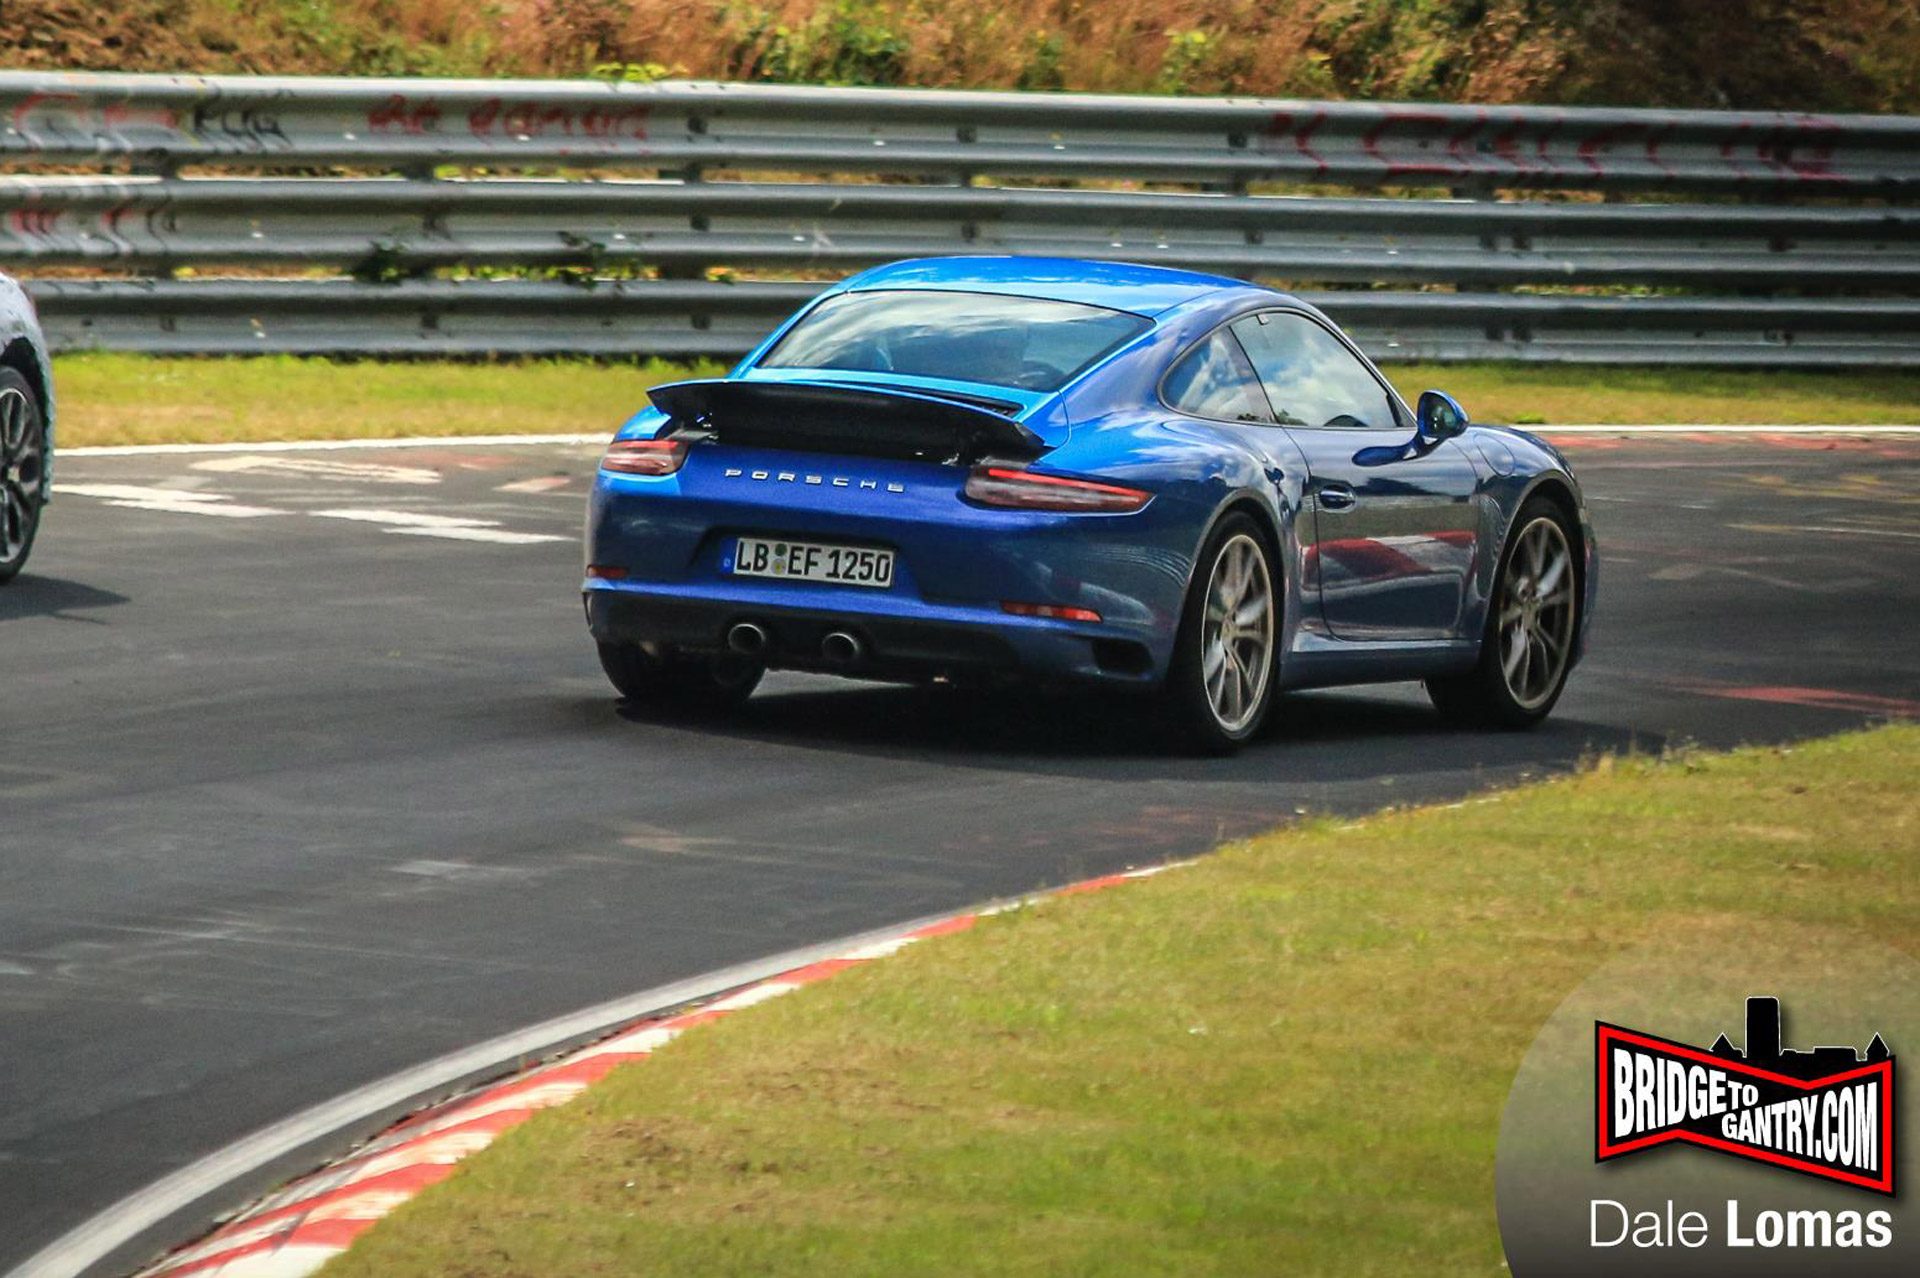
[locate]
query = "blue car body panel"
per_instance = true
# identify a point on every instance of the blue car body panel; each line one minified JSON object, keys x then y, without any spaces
{"x":1393,"y":587}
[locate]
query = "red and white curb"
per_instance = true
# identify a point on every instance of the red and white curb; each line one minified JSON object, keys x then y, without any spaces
{"x":298,"y":1228}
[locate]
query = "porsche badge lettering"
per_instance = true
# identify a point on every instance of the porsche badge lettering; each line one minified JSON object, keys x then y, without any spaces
{"x":797,"y":477}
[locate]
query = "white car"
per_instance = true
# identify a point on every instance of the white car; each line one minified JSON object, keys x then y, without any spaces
{"x":26,"y":427}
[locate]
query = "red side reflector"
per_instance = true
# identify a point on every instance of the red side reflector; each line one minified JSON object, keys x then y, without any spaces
{"x":606,"y":572}
{"x":1056,"y":611}
{"x":644,"y":456}
{"x":1024,"y":490}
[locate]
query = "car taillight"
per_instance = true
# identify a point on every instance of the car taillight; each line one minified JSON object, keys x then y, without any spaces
{"x":1025,"y":490}
{"x":645,"y":456}
{"x":1059,"y":612}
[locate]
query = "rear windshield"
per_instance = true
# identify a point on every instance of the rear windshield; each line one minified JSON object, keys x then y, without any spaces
{"x":1020,"y":342}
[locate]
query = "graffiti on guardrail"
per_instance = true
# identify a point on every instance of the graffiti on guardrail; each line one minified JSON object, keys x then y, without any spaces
{"x":1768,"y":275}
{"x":68,"y":119}
{"x":511,"y":119}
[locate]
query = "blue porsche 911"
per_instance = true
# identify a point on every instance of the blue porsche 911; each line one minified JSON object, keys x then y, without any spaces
{"x":977,"y":467}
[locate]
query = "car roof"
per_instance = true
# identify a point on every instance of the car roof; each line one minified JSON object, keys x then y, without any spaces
{"x":1126,"y":286}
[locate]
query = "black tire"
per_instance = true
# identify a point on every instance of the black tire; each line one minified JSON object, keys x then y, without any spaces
{"x":679,"y":681}
{"x":1485,"y":696}
{"x":23,"y":462}
{"x":1192,"y":706}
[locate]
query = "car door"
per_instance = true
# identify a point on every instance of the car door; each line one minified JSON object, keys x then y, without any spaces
{"x":1394,"y":520}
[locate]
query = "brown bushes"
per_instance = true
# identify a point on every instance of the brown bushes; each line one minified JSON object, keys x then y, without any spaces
{"x":1861,"y":55}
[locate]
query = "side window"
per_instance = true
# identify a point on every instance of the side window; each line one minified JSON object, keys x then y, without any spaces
{"x":1215,"y":380}
{"x":1310,"y":377}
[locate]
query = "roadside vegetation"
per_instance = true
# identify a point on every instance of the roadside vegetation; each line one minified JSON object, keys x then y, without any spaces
{"x":107,"y":398}
{"x":1292,"y":1055}
{"x":1835,"y":55}
{"x":110,"y":398}
{"x":1545,"y":395}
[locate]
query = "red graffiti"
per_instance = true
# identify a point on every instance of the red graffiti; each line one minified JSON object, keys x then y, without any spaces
{"x":1804,"y":148}
{"x":1654,"y":142}
{"x":398,"y":114}
{"x":118,"y":115}
{"x":1542,"y":149}
{"x":1599,"y":147}
{"x":1426,"y":125}
{"x":1506,"y":149}
{"x":1792,"y":151}
{"x":524,"y":121}
{"x":1302,"y":140}
{"x":73,"y":108}
{"x":32,"y":100}
{"x":37,"y":220}
{"x":1280,"y":129}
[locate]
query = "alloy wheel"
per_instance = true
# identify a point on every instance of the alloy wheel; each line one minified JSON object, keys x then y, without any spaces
{"x":1236,"y":637}
{"x":22,"y":461}
{"x":1536,"y":613}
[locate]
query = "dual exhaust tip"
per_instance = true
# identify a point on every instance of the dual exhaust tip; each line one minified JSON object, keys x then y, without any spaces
{"x":748,"y":639}
{"x":839,"y":648}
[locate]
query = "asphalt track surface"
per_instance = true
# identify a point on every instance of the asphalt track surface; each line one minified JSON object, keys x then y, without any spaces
{"x":290,"y":800}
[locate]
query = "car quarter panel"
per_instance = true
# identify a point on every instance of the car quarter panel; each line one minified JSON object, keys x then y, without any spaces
{"x":1121,"y":427}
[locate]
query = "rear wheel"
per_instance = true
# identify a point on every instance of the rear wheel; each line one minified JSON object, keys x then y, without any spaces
{"x":1220,"y":685}
{"x":1527,"y":648}
{"x":678,"y":679}
{"x":23,"y":463}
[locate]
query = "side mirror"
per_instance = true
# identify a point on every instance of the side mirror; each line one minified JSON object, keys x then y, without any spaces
{"x":1440,"y":416}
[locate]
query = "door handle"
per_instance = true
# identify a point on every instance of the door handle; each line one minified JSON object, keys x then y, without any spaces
{"x":1336,"y":497}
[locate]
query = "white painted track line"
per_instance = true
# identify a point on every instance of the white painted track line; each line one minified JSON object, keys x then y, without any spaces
{"x":335,"y":445}
{"x":452,"y":527}
{"x":177,"y":501}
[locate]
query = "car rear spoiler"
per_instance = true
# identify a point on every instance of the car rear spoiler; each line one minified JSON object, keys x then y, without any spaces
{"x":831,"y":417}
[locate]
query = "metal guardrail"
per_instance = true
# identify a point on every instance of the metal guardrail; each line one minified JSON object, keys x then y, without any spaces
{"x":397,"y":225}
{"x":176,"y":120}
{"x":702,"y":319}
{"x":670,"y":319}
{"x":161,"y":214}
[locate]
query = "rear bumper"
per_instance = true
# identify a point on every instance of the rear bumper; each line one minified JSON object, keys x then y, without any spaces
{"x":672,"y":537}
{"x":898,"y":643}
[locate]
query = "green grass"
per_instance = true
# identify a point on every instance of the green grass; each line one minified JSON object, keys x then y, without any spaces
{"x":1535,"y":394}
{"x":1163,"y":1078}
{"x":135,"y":399}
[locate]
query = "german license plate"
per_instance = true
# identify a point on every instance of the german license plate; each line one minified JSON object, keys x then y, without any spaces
{"x":812,"y":561}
